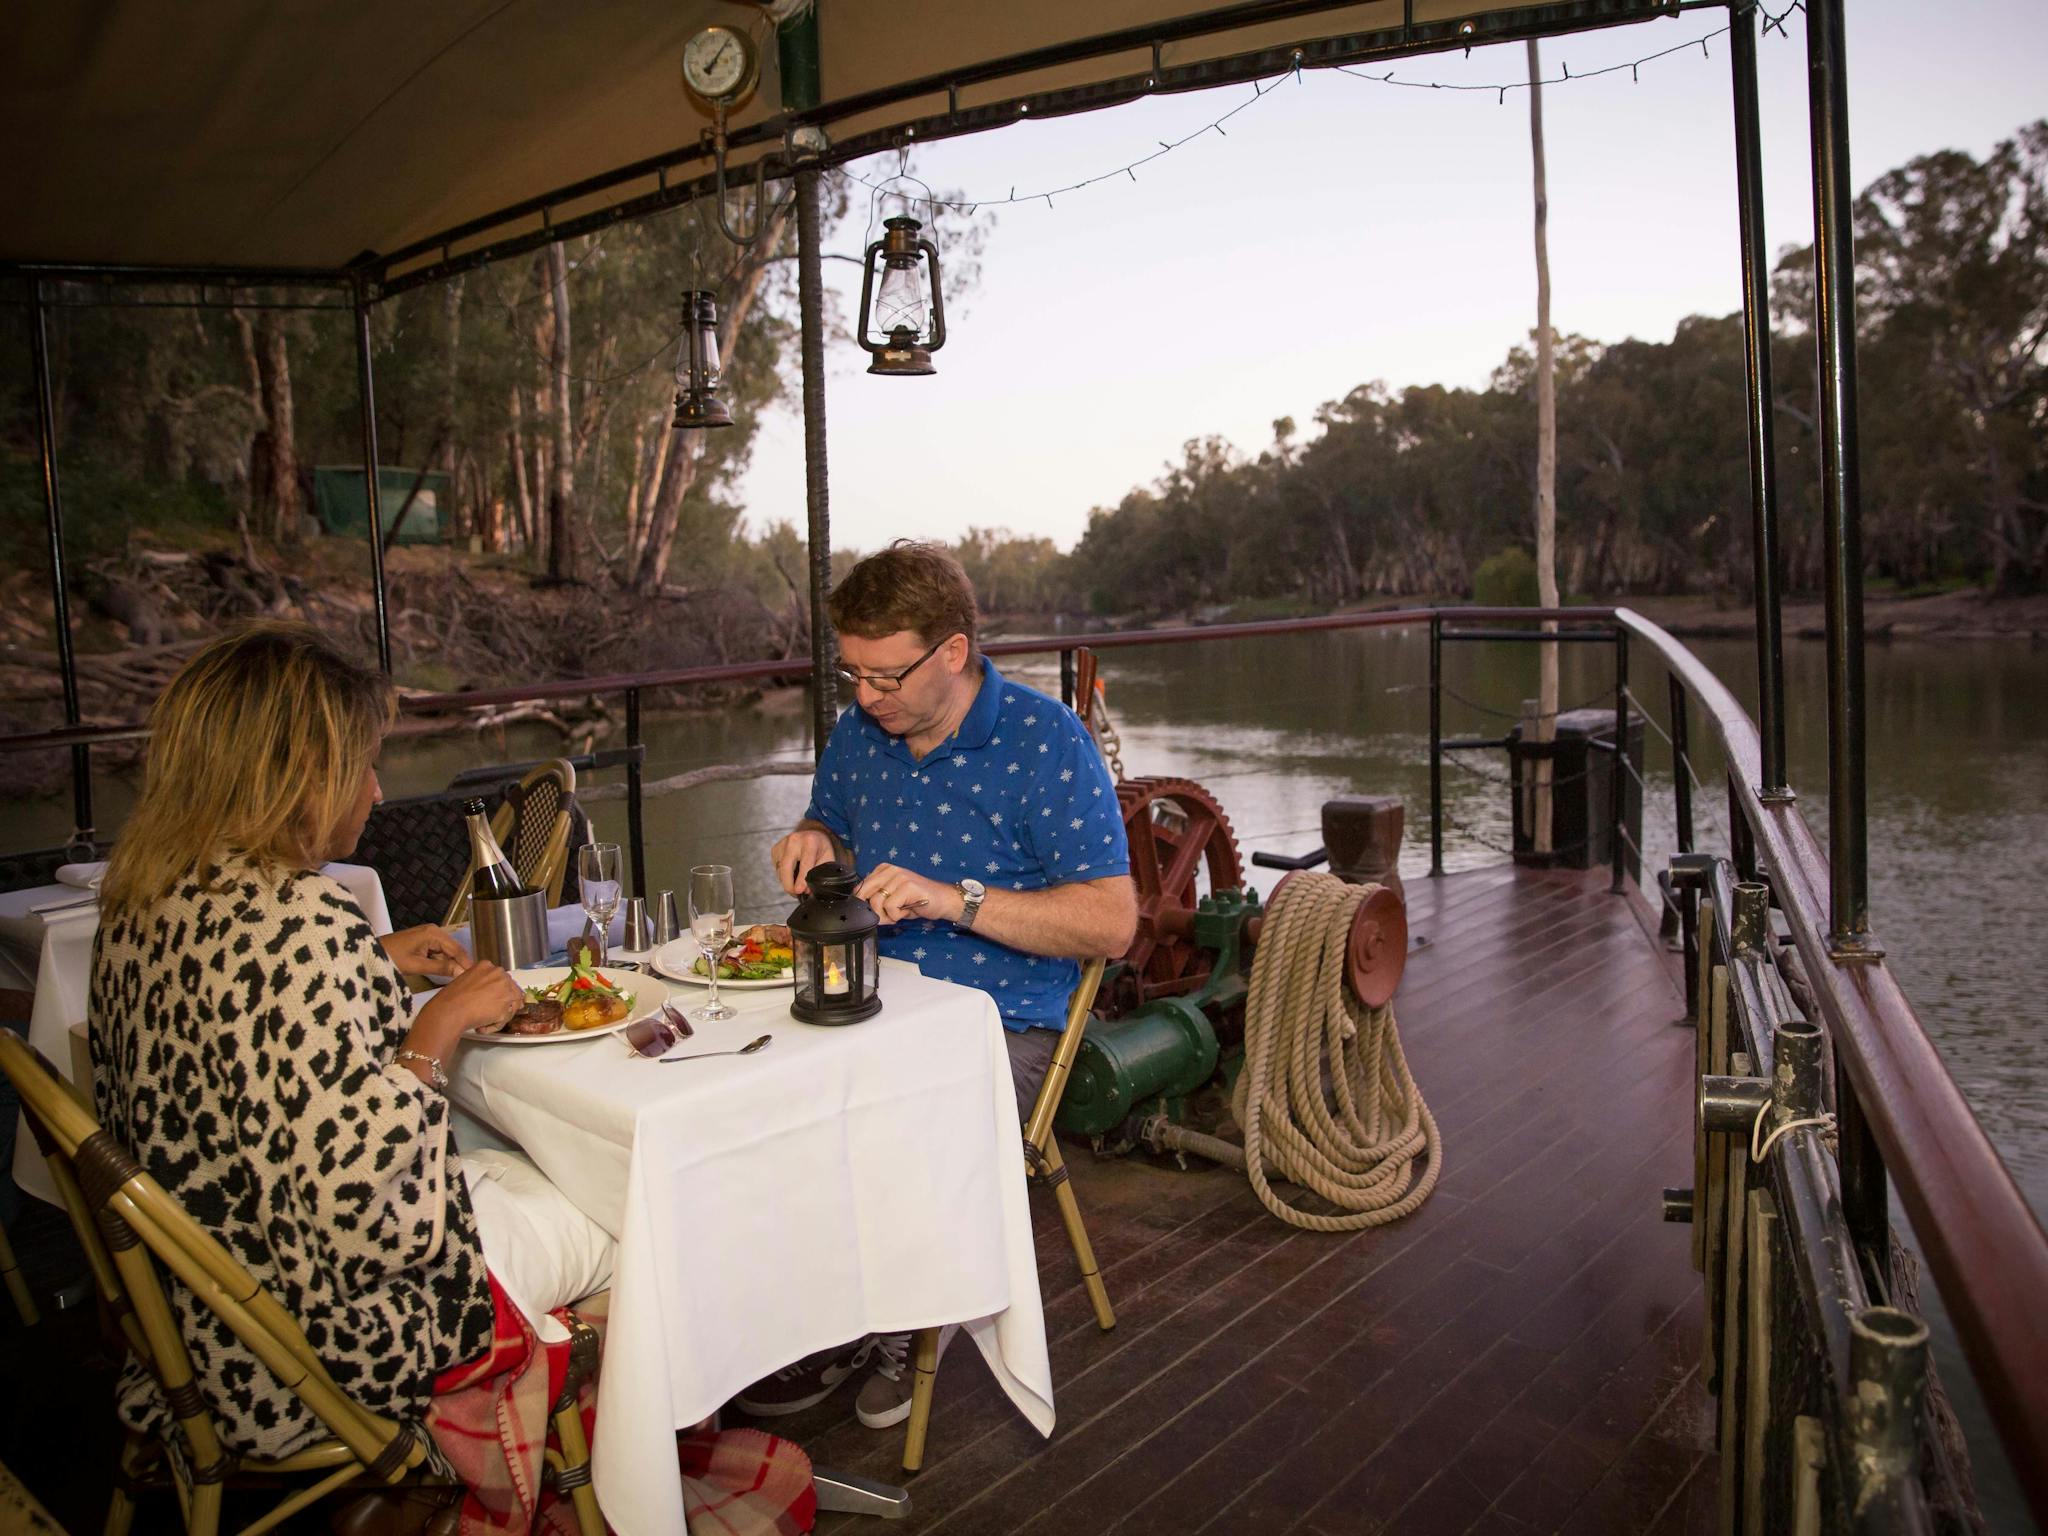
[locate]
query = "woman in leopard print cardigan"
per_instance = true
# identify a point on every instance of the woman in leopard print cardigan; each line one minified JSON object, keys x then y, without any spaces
{"x":252,"y":1044}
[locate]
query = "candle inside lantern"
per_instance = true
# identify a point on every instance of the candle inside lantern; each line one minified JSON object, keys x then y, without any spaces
{"x":835,"y":977}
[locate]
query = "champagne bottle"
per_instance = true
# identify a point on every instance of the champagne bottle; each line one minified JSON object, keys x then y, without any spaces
{"x":490,"y":873}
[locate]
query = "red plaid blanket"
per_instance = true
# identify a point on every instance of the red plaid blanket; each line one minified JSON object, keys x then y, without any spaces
{"x":491,"y":1418}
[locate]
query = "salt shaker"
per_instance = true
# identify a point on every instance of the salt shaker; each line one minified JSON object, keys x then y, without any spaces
{"x":637,"y":938}
{"x":668,"y":926}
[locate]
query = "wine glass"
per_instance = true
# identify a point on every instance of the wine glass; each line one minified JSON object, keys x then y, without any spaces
{"x":711,"y":922}
{"x":597,"y":873}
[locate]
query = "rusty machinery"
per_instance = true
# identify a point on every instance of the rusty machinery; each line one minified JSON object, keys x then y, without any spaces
{"x":1170,"y":1012}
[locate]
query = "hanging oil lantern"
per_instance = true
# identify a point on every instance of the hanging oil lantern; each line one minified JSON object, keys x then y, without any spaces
{"x":896,"y":310}
{"x":832,"y":932}
{"x":697,"y":377}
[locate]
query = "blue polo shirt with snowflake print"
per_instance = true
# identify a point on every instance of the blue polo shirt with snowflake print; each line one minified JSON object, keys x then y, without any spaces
{"x":1017,"y":797}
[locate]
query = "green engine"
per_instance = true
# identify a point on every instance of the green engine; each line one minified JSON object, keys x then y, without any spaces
{"x":1152,"y":1058}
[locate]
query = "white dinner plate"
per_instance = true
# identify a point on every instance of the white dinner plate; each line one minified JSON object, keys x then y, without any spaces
{"x":674,"y":959}
{"x":647,"y":998}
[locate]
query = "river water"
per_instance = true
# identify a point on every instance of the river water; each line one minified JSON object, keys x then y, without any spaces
{"x":1958,"y":790}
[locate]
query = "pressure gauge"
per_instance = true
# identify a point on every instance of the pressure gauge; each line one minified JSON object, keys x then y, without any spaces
{"x":720,"y":65}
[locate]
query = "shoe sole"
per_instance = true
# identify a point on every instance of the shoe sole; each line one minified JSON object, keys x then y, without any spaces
{"x":885,"y":1420}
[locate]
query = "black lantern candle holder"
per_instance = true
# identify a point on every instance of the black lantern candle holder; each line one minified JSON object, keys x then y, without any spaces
{"x":833,"y":934}
{"x":698,"y":379}
{"x":897,"y":309}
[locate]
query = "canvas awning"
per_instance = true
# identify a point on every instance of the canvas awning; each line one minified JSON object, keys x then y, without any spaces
{"x":269,"y":135}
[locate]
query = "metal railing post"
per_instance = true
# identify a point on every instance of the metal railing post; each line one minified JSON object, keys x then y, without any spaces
{"x":817,"y":485}
{"x":1841,"y":492}
{"x":60,"y":600}
{"x":1618,"y":785}
{"x":1067,"y":676}
{"x":366,"y":387}
{"x":1763,"y":477}
{"x":1681,"y":782}
{"x":1866,"y":1191}
{"x":636,"y":839}
{"x":1436,"y":744}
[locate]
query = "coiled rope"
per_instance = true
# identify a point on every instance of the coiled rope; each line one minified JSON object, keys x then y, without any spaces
{"x":1325,"y":1097}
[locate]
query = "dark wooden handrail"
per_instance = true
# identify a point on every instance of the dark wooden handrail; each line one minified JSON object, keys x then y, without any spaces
{"x":1983,"y":1244}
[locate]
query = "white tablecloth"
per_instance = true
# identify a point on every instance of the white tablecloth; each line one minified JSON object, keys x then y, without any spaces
{"x":840,"y":1182}
{"x":62,"y":941}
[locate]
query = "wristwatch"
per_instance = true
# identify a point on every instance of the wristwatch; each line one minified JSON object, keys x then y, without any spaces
{"x":971,"y":894}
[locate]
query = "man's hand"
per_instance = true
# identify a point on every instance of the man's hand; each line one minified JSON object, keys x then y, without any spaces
{"x":799,"y":853}
{"x":428,"y":950}
{"x":897,"y":893}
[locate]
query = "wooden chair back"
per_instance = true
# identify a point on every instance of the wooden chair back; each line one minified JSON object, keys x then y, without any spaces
{"x":128,"y":1224}
{"x":532,"y":826}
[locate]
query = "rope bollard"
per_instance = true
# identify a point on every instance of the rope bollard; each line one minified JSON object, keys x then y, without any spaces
{"x":1378,"y":1156}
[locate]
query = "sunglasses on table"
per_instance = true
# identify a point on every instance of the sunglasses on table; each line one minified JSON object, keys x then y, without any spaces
{"x":885,"y":682}
{"x":658,"y":1032}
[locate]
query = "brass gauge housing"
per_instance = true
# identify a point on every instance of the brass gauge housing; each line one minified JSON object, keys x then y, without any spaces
{"x":721,"y":67}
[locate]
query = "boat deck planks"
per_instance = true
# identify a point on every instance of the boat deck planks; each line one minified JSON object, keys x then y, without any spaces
{"x":1520,"y":1355}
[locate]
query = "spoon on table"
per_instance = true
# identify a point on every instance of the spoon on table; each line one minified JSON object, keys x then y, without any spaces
{"x":760,"y":1044}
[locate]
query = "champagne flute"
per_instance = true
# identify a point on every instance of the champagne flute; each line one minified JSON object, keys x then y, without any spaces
{"x":597,"y":874}
{"x":711,"y":922}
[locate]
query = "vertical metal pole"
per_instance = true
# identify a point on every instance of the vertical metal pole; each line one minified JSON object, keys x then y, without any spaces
{"x":1681,"y":784}
{"x":1742,"y":841}
{"x":817,"y":498}
{"x":1763,"y":476}
{"x":1841,"y":493}
{"x":636,"y":838}
{"x":1436,"y":744}
{"x":1618,"y":785}
{"x":1067,"y":676}
{"x":366,"y":385}
{"x":1866,"y":1197}
{"x":60,"y":600}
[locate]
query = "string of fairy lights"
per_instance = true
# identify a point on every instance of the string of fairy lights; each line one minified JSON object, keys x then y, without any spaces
{"x":894,"y":187}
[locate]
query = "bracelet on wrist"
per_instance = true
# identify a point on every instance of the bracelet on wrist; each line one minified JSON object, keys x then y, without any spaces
{"x":433,"y":1065}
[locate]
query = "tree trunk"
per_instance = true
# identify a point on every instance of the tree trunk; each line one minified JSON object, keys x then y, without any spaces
{"x":1546,"y":455}
{"x":274,"y":459}
{"x":522,"y":490}
{"x":459,"y":517}
{"x":561,"y":546}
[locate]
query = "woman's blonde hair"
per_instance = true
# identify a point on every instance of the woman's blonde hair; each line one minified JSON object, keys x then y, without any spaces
{"x":258,"y":747}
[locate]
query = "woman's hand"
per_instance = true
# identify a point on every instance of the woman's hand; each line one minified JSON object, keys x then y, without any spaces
{"x":429,"y":950}
{"x":482,"y":996}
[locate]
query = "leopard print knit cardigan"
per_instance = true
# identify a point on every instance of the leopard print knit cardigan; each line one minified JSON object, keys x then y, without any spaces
{"x":243,"y":1029}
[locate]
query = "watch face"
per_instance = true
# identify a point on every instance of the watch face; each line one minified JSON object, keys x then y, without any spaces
{"x":719,"y":64}
{"x":973,"y":888}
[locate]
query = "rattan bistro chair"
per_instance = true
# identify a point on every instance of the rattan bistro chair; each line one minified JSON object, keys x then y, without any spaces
{"x":1043,"y":1165}
{"x":532,"y":826}
{"x":124,"y":1219}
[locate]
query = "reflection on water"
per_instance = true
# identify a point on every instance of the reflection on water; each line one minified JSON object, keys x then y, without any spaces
{"x":1273,"y":727}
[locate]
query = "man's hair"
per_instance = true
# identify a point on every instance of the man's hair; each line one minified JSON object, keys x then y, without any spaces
{"x":910,"y":585}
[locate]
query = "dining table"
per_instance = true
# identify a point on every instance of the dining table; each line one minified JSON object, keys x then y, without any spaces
{"x":840,"y":1181}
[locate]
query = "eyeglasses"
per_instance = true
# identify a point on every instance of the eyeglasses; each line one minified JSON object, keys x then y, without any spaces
{"x":886,"y":682}
{"x":658,"y":1032}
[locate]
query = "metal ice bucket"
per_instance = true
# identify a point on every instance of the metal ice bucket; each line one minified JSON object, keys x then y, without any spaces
{"x":511,"y":930}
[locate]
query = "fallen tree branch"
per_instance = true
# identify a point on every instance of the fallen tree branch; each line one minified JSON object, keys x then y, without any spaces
{"x":716,"y":773}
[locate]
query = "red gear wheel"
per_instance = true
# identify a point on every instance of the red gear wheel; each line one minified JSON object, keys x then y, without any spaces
{"x":1176,"y":830}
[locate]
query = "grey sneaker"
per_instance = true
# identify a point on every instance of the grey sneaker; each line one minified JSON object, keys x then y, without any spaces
{"x":807,"y":1383}
{"x":885,"y":1396}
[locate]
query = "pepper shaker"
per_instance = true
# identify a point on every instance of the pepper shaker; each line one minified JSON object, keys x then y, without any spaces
{"x":637,"y":936}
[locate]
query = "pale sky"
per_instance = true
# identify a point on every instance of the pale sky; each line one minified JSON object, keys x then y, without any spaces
{"x":1343,"y":231}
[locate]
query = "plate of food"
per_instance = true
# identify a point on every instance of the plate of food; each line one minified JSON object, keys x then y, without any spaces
{"x":757,"y":958}
{"x":571,"y":1002}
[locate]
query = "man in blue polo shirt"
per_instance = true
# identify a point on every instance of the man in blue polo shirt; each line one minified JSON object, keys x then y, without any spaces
{"x":988,"y":839}
{"x":976,"y":810}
